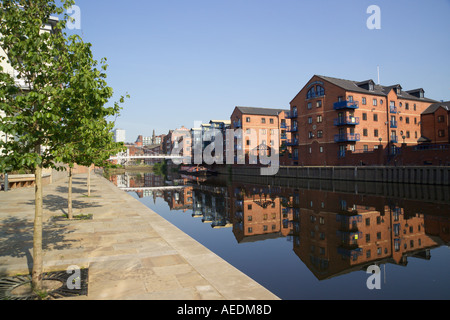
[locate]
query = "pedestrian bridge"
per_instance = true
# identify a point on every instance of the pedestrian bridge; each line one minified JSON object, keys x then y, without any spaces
{"x":166,"y":188}
{"x":160,"y":156}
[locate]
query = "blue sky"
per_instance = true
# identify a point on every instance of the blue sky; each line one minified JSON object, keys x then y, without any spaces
{"x":185,"y":61}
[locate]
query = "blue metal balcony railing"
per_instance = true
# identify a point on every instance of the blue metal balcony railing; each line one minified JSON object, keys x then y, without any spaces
{"x":346,"y":105}
{"x":283,"y":137}
{"x":347,"y":137}
{"x":346,"y":121}
{"x":292,"y":142}
{"x":393,"y":109}
{"x":283,"y":125}
{"x":394,"y":124}
{"x":291,"y":115}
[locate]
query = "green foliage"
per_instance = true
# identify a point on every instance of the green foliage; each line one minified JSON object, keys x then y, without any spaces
{"x":53,"y":107}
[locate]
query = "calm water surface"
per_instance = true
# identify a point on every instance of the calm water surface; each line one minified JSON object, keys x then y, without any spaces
{"x":313,"y":239}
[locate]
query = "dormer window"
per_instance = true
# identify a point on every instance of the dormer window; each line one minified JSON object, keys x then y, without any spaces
{"x":399,"y":90}
{"x":370,"y":86}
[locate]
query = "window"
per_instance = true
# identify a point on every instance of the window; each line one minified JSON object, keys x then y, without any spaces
{"x":311,"y":135}
{"x":375,"y":133}
{"x":263,"y":120}
{"x":375,"y":117}
{"x":319,"y":119}
{"x":368,"y":237}
{"x":378,"y":235}
{"x":375,"y":102}
{"x":441,"y":133}
{"x":407,"y":120}
{"x":271,"y":121}
{"x":263,"y":131}
{"x":440,"y":119}
{"x":249,"y":207}
{"x":350,"y":98}
{"x":408,"y":135}
{"x":319,"y":104}
{"x":367,"y":221}
{"x":309,"y":105}
{"x":366,"y":148}
{"x":321,"y":149}
{"x":319,"y":134}
{"x":415,"y":120}
{"x":247,"y":119}
{"x":250,"y":230}
{"x":365,"y":133}
{"x":407,"y":106}
{"x":365,"y":116}
{"x":311,"y":93}
{"x":364,"y":101}
{"x":248,"y":142}
{"x":310,"y":121}
{"x":320,"y":91}
{"x":378,"y":220}
{"x":381,"y":101}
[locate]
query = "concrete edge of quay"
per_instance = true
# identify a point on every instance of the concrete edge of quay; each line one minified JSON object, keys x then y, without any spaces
{"x":130,"y":250}
{"x":424,"y":175}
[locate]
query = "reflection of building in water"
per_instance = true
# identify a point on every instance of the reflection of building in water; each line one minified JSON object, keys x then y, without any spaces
{"x":258,"y":214}
{"x":180,"y":199}
{"x":211,"y":205}
{"x":338,"y":233}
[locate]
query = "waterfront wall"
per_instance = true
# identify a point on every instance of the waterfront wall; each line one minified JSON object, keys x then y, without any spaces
{"x":429,"y":175}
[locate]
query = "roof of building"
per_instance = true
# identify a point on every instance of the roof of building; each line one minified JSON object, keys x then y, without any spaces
{"x":261,"y":111}
{"x":355,"y":86}
{"x":432,"y":109}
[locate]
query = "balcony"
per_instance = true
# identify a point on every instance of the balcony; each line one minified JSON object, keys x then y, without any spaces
{"x":346,"y":121}
{"x":346,"y":105}
{"x":347,"y":137}
{"x":393,"y":109}
{"x":283,"y":137}
{"x":394,"y":124}
{"x":292,"y":129}
{"x":283,"y":125}
{"x":292,"y":142}
{"x":292,"y":115}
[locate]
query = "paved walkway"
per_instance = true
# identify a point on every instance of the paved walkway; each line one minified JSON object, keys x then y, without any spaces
{"x":131,"y":252}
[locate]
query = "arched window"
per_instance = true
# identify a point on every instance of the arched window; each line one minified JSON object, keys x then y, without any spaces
{"x":311,"y":93}
{"x":320,"y":91}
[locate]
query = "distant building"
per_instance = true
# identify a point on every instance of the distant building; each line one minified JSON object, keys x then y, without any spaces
{"x":436,"y":124}
{"x":263,"y":122}
{"x":120,"y":135}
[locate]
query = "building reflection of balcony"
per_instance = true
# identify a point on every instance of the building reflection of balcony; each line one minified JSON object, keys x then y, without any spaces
{"x":350,"y":251}
{"x":292,"y":143}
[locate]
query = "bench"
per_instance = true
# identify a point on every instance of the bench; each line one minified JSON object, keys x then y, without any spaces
{"x":25,"y":181}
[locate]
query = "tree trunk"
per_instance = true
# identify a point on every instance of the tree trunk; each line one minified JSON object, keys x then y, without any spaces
{"x":37,"y":239}
{"x":69,"y":198}
{"x":89,"y":181}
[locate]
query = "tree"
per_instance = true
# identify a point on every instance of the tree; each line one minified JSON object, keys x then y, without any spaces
{"x":41,"y":95}
{"x":89,"y":137}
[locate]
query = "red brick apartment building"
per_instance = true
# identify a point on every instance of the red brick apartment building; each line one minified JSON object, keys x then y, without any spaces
{"x":331,"y":117}
{"x":264,"y":121}
{"x":436,"y":124}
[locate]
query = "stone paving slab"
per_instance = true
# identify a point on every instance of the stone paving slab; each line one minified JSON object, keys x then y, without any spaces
{"x":131,"y":251}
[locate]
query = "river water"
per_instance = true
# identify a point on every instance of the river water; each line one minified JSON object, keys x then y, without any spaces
{"x":316,"y":240}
